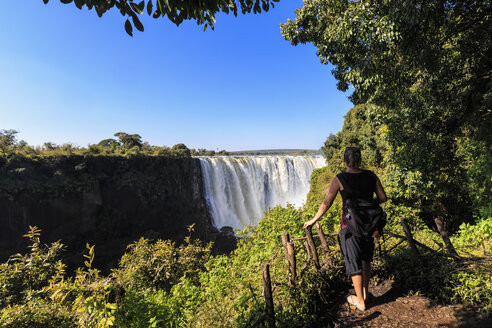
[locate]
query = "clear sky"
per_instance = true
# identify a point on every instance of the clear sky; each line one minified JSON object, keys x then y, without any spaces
{"x":69,"y":76}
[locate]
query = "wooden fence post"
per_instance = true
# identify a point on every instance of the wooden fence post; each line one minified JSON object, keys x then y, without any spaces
{"x":324,"y":244}
{"x":307,"y":250}
{"x":410,"y":240}
{"x":308,"y":258}
{"x":311,"y":244}
{"x":285,"y":240}
{"x":290,"y":256}
{"x":267,"y":289}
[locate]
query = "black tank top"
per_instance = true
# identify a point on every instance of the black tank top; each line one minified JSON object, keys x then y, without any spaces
{"x":357,"y":185}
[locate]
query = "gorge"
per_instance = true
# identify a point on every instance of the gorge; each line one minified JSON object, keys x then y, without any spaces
{"x":111,"y":201}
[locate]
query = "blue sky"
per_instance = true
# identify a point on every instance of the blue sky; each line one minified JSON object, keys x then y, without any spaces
{"x":69,"y":76}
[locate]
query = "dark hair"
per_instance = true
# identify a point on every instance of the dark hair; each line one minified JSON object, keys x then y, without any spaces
{"x":352,"y":157}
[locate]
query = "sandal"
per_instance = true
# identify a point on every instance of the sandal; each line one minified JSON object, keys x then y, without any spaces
{"x":352,"y":300}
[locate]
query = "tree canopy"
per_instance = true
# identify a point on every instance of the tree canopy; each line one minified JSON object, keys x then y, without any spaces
{"x":202,"y":11}
{"x":125,"y":144}
{"x":427,"y":66}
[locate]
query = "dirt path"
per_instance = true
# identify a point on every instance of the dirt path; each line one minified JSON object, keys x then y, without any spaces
{"x":389,"y":308}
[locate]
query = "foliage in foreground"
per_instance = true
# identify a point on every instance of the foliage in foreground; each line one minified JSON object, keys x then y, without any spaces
{"x":203,"y":12}
{"x":159,"y":284}
{"x":466,"y":280}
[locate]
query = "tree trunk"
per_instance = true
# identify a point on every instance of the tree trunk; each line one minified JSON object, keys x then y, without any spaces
{"x":445,"y":237}
{"x":408,"y":234}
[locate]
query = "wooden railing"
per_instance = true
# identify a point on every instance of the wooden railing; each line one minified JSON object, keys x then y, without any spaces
{"x":314,"y":252}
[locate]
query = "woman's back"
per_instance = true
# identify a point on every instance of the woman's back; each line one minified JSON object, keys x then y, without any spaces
{"x":357,"y":185}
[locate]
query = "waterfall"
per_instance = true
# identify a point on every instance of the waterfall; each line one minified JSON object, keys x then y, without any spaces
{"x":239,"y":189}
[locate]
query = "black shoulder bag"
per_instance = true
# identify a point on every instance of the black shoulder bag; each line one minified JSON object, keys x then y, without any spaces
{"x":363,"y":216}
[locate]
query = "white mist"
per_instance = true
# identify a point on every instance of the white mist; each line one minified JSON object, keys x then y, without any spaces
{"x":239,"y":189}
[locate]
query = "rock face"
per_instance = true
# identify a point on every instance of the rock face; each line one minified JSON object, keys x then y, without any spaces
{"x":106,"y":201}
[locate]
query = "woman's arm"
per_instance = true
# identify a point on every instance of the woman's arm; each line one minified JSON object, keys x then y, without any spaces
{"x":332,"y":193}
{"x":380,"y":191}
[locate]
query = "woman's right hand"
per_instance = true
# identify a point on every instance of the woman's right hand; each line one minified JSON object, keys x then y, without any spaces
{"x":309,"y":223}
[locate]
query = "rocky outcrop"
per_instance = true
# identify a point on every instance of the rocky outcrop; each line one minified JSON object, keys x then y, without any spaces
{"x":107,"y":201}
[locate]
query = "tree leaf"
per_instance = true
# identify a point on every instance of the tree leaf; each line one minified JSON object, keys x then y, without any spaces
{"x":128,"y":27}
{"x":111,"y":306}
{"x":149,"y":7}
{"x":79,"y":3}
{"x":167,"y":4}
{"x":141,"y":5}
{"x":136,"y":7}
{"x":137,"y":23}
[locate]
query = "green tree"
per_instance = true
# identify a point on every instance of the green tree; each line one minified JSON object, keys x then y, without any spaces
{"x":203,"y":12}
{"x":49,"y":145}
{"x":108,"y":143}
{"x":181,"y":150}
{"x":129,"y":141}
{"x":8,"y":139}
{"x":427,"y":66}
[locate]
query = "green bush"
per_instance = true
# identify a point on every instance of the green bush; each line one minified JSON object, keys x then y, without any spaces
{"x":36,"y":313}
{"x":473,"y":287}
{"x":465,"y":281}
{"x":160,"y":265}
{"x":149,"y":309}
{"x":475,"y":238}
{"x":23,"y":276}
{"x":91,"y":298}
{"x":429,"y":277}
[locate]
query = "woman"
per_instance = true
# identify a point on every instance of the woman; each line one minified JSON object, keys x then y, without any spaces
{"x":357,"y":251}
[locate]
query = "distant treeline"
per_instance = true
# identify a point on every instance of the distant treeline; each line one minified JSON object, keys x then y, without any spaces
{"x":124,"y":144}
{"x":292,"y":152}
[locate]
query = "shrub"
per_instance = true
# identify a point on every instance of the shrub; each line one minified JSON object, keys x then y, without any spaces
{"x":36,"y":313}
{"x":473,"y":287}
{"x":24,"y":276}
{"x":475,"y":238}
{"x":159,"y":265}
{"x":159,"y":309}
{"x":465,"y":281}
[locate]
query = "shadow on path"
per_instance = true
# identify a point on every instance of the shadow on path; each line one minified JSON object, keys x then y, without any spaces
{"x":389,"y":308}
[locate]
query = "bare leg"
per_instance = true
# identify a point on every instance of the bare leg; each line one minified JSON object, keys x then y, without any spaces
{"x":357,"y":281}
{"x":366,"y":276}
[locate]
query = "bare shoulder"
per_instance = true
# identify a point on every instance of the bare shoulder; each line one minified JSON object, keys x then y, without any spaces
{"x":335,"y":183}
